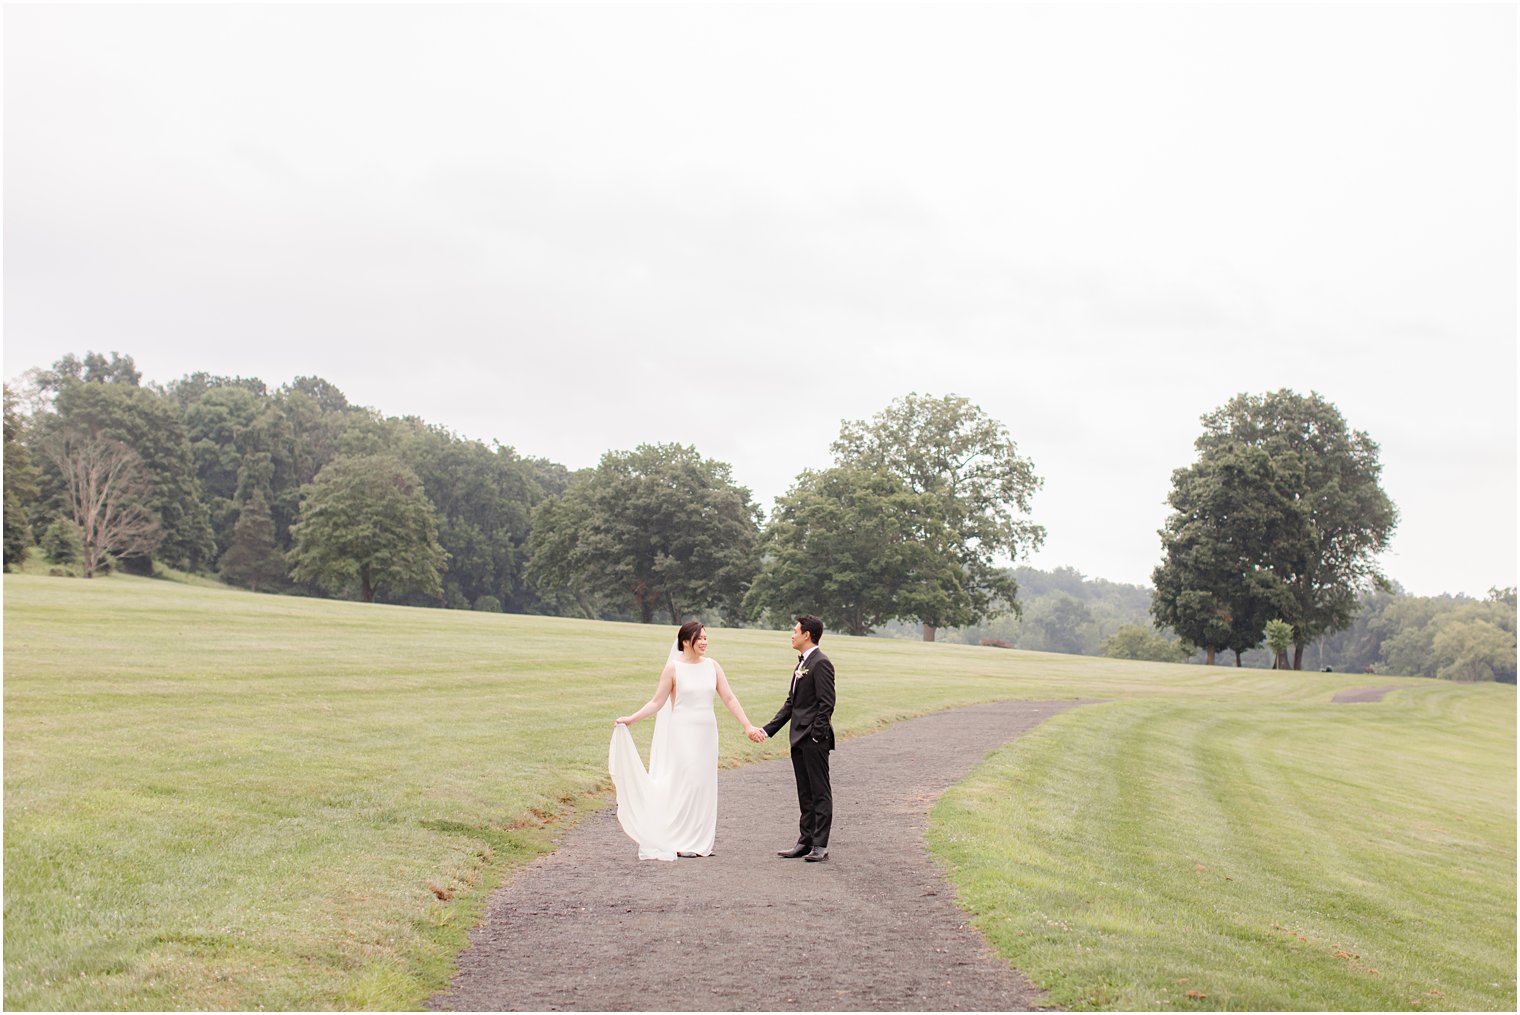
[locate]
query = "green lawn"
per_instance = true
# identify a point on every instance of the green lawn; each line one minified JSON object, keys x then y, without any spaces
{"x":215,"y":799}
{"x":1222,"y":855}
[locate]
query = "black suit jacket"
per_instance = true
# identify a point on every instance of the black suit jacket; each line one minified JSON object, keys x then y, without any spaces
{"x":809,"y":705}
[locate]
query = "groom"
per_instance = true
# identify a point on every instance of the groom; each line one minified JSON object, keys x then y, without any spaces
{"x":810,"y":708}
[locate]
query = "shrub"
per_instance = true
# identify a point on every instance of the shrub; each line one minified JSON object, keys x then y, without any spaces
{"x":61,"y":542}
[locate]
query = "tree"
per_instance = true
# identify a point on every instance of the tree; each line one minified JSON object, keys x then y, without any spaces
{"x":659,"y":529}
{"x":1232,"y":509}
{"x":94,"y":368}
{"x":854,"y":545}
{"x":559,"y":568}
{"x":1131,"y":641}
{"x":151,"y":425}
{"x":18,"y":529}
{"x":1348,"y":518}
{"x":20,"y":485}
{"x":1279,"y":637}
{"x":1447,"y":636}
{"x":952,"y":450}
{"x":485,"y":498}
{"x":1473,"y":650}
{"x":366,"y":520}
{"x":303,"y":427}
{"x":253,"y":557}
{"x":108,"y":495}
{"x":189,"y":389}
{"x":1060,"y":620}
{"x":61,"y":543}
{"x":222,"y":426}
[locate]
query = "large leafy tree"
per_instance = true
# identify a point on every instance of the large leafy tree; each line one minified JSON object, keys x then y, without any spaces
{"x":1281,"y":516}
{"x":306,"y":425}
{"x":659,"y":530}
{"x":857,"y":546}
{"x":1235,"y":511}
{"x":366,"y":522}
{"x":1348,"y":519}
{"x":953,"y":451}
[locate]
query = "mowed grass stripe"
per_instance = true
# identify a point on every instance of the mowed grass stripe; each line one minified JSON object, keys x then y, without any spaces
{"x":1182,"y":855}
{"x":215,"y":799}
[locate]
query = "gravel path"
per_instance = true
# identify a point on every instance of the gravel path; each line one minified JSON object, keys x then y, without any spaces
{"x":1362,"y":695}
{"x":591,"y":928}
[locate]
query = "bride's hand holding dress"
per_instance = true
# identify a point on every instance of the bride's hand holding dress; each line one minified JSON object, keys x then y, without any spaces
{"x":671,"y":809}
{"x":661,"y":692}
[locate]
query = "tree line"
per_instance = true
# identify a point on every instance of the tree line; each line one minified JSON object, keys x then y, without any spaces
{"x":1273,"y":538}
{"x":1393,"y":632}
{"x":294,"y":489}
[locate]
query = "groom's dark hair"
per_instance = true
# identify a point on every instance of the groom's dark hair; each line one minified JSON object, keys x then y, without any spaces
{"x":688,"y":633}
{"x":812,"y":625}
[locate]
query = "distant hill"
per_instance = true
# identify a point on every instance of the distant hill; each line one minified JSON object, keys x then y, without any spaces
{"x":1063,"y":611}
{"x":1396,"y":634}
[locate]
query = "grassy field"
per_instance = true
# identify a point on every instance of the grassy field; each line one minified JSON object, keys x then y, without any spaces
{"x":215,"y":799}
{"x":1160,"y":856}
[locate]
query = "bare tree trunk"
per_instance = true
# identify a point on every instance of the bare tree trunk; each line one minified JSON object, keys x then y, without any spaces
{"x":929,"y":630}
{"x":1208,"y":657}
{"x":107,"y":495}
{"x":1238,"y":663}
{"x":1298,"y":655}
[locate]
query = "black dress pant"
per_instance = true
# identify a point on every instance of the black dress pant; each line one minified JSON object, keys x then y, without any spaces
{"x":810,"y":764}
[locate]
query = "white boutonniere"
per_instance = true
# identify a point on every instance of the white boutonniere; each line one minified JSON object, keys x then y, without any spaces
{"x":801,"y":672}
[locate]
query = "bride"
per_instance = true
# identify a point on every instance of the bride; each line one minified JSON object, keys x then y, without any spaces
{"x":671,"y":809}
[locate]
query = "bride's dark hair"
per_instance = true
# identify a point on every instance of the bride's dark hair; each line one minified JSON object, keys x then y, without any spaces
{"x":687,"y":634}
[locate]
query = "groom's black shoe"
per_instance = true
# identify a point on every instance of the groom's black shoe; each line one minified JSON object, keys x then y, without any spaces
{"x":818,"y":854}
{"x":794,"y":852}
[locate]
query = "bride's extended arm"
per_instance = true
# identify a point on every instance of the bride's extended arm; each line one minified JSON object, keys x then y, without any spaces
{"x":731,"y":700}
{"x":661,"y":692}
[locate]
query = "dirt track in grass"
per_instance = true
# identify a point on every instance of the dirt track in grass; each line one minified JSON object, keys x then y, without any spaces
{"x":1363,"y":695}
{"x":591,"y":928}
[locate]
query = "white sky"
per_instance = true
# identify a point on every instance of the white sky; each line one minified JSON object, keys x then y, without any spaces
{"x":578,"y":228}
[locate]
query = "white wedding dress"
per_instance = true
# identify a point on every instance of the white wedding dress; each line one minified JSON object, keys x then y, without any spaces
{"x":673,"y":806}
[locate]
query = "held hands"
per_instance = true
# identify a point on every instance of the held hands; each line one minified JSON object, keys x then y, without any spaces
{"x":756,"y":734}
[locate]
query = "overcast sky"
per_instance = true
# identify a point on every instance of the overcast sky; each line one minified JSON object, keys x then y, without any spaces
{"x":579,"y":228}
